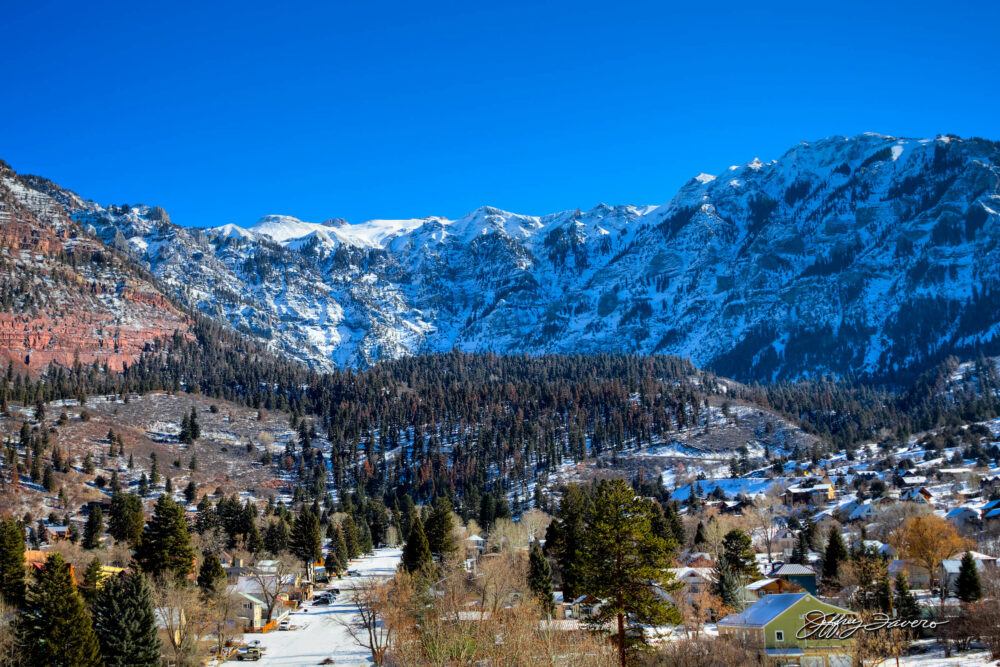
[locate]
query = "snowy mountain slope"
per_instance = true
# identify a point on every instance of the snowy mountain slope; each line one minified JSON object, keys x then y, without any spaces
{"x":869,"y":255}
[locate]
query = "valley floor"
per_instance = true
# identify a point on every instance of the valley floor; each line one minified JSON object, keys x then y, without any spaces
{"x":320,"y":634}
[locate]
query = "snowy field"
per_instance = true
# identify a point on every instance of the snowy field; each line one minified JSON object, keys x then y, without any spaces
{"x":319,"y":634}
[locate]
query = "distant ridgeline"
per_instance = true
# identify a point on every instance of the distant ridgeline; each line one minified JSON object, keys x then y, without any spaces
{"x":867,"y":256}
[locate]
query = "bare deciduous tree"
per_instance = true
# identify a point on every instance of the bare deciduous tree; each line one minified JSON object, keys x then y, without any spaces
{"x":269,"y":584}
{"x":181,"y":614}
{"x":373,"y":601}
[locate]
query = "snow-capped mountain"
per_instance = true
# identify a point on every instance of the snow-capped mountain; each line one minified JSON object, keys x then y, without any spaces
{"x":869,"y":255}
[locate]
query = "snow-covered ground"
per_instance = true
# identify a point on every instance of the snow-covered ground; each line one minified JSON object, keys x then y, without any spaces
{"x":319,"y":634}
{"x":935,"y":658}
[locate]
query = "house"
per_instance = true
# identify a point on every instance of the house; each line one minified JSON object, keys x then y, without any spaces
{"x":991,"y":514}
{"x":910,"y":481}
{"x":863,"y":511}
{"x":963,"y":516}
{"x":810,"y":494}
{"x":916,"y":494}
{"x":583,"y":607}
{"x":779,"y":627}
{"x":475,"y":546}
{"x":989,"y":484}
{"x":252,"y":611}
{"x":917,"y":576}
{"x":800,"y":575}
{"x":694,"y":579}
{"x":772,"y":586}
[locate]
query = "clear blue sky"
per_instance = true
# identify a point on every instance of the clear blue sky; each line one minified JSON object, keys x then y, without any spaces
{"x":223,"y":112}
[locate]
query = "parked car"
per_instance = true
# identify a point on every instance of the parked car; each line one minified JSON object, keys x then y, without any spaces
{"x":322,"y":602}
{"x":285,"y":625}
{"x":249,"y":654}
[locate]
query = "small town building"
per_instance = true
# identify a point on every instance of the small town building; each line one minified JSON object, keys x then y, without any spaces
{"x":776,"y":625}
{"x":800,"y":575}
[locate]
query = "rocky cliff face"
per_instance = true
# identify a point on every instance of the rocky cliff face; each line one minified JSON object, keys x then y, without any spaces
{"x":866,"y":255}
{"x":65,"y":296}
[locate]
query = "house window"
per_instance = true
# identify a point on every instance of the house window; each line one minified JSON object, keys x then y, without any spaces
{"x":779,"y":636}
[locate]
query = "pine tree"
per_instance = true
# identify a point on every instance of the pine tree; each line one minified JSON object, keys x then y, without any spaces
{"x":206,"y":518}
{"x":166,"y":544}
{"x":801,"y":549}
{"x":211,"y":577}
{"x":125,"y":622}
{"x":55,"y":628}
{"x":883,"y":591}
{"x":699,"y":535}
{"x":11,"y":562}
{"x":340,"y":544}
{"x":94,"y":528}
{"x":365,"y":537}
{"x":540,"y":577}
{"x":91,"y":580}
{"x":305,"y":542}
{"x":193,"y":424}
{"x":737,"y":551}
{"x":566,"y":535}
{"x":125,"y":521}
{"x":417,"y":551}
{"x":835,"y":554}
{"x":332,"y":564}
{"x":968,"y":587}
{"x":276,"y":537}
{"x":350,"y":531}
{"x":190,"y":492}
{"x":622,"y":558}
{"x":906,"y":603}
{"x":438,"y":528}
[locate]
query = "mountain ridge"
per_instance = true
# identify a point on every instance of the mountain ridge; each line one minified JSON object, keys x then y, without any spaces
{"x":856,"y":255}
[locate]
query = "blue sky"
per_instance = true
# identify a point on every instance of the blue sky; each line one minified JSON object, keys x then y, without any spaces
{"x":370,"y":109}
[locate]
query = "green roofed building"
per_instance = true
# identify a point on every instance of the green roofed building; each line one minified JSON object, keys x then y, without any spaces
{"x":787,"y":628}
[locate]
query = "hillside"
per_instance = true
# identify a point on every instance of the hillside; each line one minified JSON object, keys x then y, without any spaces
{"x":866,"y":255}
{"x":66,"y":297}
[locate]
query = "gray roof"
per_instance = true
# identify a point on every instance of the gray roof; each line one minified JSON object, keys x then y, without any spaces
{"x":793,"y":569}
{"x":764,"y":610}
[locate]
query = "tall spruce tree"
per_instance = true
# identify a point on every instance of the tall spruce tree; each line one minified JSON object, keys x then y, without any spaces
{"x":165,"y":546}
{"x":540,"y":578}
{"x":625,"y":563}
{"x":339,"y":543}
{"x":276,"y":537}
{"x":93,"y":529}
{"x":332,"y":563}
{"x":305,"y":542}
{"x":211,"y":576}
{"x":699,"y":535}
{"x":11,"y":562}
{"x":91,"y":580}
{"x":350,"y":531}
{"x":833,"y":557}
{"x":567,"y":539}
{"x":416,"y":551}
{"x":906,"y":603}
{"x":126,"y":521}
{"x":438,"y":528}
{"x":968,"y":587}
{"x":54,"y":627}
{"x":125,"y":623}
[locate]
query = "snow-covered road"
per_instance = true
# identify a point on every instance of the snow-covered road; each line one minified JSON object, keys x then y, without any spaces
{"x":319,"y":634}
